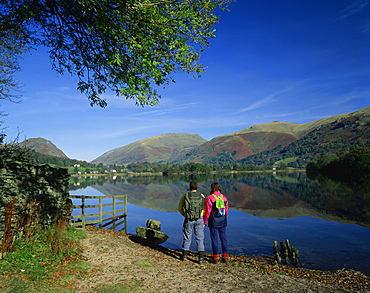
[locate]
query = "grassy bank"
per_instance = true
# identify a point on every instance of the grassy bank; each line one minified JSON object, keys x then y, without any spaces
{"x":49,"y":261}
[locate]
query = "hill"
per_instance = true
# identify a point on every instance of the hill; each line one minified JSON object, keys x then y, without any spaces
{"x":229,"y":148}
{"x":43,"y":146}
{"x":160,"y":148}
{"x":45,"y":152}
{"x":333,"y":135}
{"x":272,"y":142}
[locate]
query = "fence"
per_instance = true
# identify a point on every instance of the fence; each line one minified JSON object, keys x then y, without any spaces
{"x":116,"y":217}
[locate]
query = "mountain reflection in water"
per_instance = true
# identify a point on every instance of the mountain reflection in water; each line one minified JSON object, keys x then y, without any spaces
{"x":257,"y":203}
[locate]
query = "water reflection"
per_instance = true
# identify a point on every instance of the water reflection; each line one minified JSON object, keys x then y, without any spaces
{"x":280,"y":196}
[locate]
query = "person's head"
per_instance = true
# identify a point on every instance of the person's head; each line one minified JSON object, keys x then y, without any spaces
{"x":215,"y":186}
{"x":193,"y":185}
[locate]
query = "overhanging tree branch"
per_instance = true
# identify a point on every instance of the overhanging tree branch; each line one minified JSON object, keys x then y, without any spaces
{"x":128,"y":46}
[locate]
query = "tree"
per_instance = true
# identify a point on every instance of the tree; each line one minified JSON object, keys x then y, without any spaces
{"x":128,"y":46}
{"x":357,"y":160}
{"x":12,"y":46}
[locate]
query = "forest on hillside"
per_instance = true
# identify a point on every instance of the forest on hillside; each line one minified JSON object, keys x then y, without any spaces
{"x":348,"y":167}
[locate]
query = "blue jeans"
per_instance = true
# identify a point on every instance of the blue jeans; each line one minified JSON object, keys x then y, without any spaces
{"x":187,"y":231}
{"x":217,"y":233}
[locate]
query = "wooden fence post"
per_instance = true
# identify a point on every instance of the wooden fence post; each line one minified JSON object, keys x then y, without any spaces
{"x":100,"y":212}
{"x":83,"y":210}
{"x":114,"y":207}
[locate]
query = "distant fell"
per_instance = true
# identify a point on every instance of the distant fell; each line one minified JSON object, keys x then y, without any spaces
{"x":297,"y":129}
{"x":160,"y":148}
{"x":271,"y":142}
{"x":43,"y":146}
{"x":333,"y":135}
{"x":276,"y":126}
{"x":222,"y":148}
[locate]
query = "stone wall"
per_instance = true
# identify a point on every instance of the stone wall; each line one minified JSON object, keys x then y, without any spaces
{"x":27,"y":183}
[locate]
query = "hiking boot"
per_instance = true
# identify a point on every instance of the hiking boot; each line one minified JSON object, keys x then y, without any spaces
{"x":214,"y":260}
{"x":184,"y":255}
{"x":201,"y":257}
{"x":225,"y":260}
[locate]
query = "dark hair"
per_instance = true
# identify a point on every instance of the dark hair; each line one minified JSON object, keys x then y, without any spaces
{"x":215,"y":186}
{"x":193,"y":185}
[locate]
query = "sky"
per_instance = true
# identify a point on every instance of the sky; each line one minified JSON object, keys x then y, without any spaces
{"x":272,"y":60}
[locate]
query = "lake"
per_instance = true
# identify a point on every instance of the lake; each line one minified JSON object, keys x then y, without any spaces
{"x":327,"y":221}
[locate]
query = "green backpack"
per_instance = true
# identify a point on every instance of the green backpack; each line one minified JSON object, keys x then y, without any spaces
{"x":193,"y":205}
{"x":220,"y":206}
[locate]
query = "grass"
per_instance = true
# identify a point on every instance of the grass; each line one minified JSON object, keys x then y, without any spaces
{"x":286,"y":161}
{"x":143,"y":264}
{"x":49,"y":261}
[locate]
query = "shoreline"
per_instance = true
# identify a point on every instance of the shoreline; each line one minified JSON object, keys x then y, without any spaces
{"x":186,"y":173}
{"x":118,"y":258}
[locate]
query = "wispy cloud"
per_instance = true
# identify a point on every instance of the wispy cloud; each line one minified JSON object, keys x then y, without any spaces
{"x":258,"y":104}
{"x":284,"y":115}
{"x":168,"y":110}
{"x":127,"y":131}
{"x":354,"y":8}
{"x":355,"y":94}
{"x":273,"y":97}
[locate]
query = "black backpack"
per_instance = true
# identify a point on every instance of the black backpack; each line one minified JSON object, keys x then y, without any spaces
{"x":193,"y":205}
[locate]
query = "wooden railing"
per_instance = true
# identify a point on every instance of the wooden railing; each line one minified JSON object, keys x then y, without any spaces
{"x":117,"y":216}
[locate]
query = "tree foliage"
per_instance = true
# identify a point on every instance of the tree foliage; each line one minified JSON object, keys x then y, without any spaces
{"x":353,"y":164}
{"x":12,"y":46}
{"x":128,"y":46}
{"x":14,"y":152}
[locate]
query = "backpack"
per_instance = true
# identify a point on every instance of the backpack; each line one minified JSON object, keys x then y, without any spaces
{"x":193,"y":205}
{"x":220,"y":206}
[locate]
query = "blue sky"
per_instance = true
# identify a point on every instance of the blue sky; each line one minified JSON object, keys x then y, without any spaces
{"x":272,"y":60}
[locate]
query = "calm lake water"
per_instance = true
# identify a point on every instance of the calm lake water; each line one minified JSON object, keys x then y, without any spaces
{"x":327,"y":221}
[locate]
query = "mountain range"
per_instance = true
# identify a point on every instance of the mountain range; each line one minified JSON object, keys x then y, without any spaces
{"x":259,"y":144}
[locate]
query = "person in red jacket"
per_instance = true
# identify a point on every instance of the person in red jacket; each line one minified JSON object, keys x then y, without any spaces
{"x":216,"y":221}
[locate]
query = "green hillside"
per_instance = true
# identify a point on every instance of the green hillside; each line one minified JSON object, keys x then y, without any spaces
{"x":42,"y":146}
{"x":296,"y":144}
{"x":342,"y":135}
{"x":154,"y":149}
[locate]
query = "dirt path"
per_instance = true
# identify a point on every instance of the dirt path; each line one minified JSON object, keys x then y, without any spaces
{"x":118,"y":258}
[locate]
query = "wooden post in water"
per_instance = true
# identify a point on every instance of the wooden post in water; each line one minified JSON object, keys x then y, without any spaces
{"x":286,"y":255}
{"x":276,"y":252}
{"x":289,"y":248}
{"x":287,"y":252}
{"x":295,"y":256}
